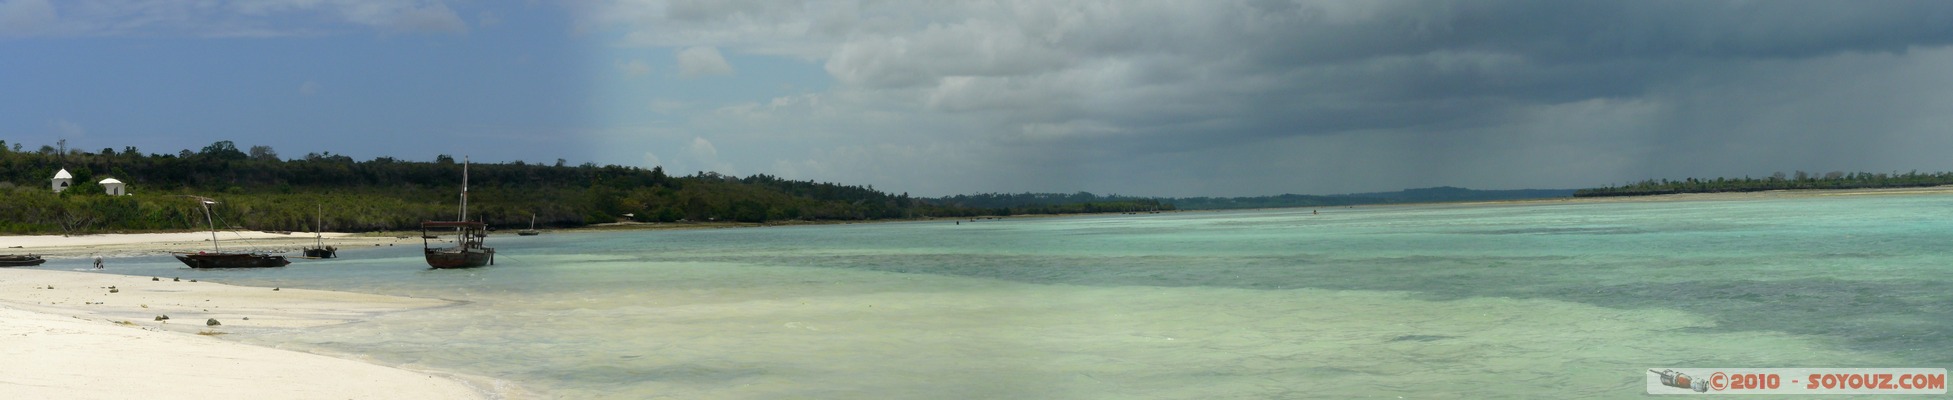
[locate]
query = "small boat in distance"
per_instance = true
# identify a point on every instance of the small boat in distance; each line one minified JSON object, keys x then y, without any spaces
{"x":29,"y":260}
{"x":532,"y":228}
{"x":217,"y":258}
{"x":320,"y":250}
{"x":468,"y":251}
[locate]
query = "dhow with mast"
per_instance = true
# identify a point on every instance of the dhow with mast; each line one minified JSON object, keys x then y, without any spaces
{"x":217,"y":258}
{"x":468,"y":251}
{"x":320,"y":250}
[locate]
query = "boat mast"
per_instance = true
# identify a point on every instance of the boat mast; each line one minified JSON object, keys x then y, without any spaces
{"x":464,"y":189}
{"x":319,"y":230}
{"x":213,"y":224}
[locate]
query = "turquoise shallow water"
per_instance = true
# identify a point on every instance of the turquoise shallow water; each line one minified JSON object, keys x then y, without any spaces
{"x":1540,"y":300}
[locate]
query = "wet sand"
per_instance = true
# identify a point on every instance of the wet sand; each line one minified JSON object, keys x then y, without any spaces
{"x":80,"y":335}
{"x":148,"y":244}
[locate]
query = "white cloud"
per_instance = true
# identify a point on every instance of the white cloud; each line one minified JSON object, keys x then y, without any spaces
{"x":487,"y":18}
{"x":633,"y":68}
{"x":787,"y":27}
{"x":224,"y":19}
{"x":702,"y":155}
{"x":701,"y":61}
{"x":25,"y":17}
{"x":666,"y":106}
{"x":982,"y":48}
{"x":704,"y":150}
{"x":68,"y":129}
{"x":431,"y":17}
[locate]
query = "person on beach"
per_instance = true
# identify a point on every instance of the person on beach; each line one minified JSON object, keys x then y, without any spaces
{"x":98,"y":262}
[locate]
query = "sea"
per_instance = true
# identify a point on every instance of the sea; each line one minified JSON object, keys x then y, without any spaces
{"x":1521,"y":300}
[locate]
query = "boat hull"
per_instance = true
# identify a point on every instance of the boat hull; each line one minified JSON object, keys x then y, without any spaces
{"x":328,"y":252}
{"x":231,"y":260}
{"x":448,"y":258}
{"x":20,"y":261}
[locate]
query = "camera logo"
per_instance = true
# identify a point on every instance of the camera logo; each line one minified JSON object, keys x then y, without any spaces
{"x":1796,"y":381}
{"x":1671,"y":378}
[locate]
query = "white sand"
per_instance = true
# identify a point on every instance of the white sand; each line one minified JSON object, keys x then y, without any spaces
{"x":78,"y":340}
{"x":138,"y":244}
{"x":131,"y":238}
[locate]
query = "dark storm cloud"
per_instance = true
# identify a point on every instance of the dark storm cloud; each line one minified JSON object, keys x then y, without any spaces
{"x":1421,"y":63}
{"x":1579,"y":32}
{"x":1492,"y":93}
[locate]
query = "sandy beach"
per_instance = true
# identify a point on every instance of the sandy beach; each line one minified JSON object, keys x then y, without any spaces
{"x":81,"y":335}
{"x":145,"y":244}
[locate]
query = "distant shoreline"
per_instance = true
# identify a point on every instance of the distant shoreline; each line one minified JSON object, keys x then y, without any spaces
{"x":1736,"y":196}
{"x":146,"y":244}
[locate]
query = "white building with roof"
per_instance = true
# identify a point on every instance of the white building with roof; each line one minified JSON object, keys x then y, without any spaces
{"x":113,"y":187}
{"x":62,"y":180}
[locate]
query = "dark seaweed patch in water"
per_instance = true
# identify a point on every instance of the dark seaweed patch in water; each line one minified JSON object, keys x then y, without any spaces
{"x":1909,"y":317}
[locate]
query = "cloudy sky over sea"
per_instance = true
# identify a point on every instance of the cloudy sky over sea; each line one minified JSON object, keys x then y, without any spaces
{"x":1167,"y":98}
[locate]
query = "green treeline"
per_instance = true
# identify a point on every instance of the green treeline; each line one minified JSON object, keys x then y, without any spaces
{"x":258,"y":190}
{"x":1086,"y":202}
{"x":1277,"y":201}
{"x":1051,"y":203}
{"x":1778,"y":181}
{"x":1424,"y":195}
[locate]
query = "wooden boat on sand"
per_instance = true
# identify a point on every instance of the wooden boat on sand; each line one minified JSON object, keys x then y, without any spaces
{"x":11,"y":260}
{"x":231,"y":260}
{"x":217,"y":258}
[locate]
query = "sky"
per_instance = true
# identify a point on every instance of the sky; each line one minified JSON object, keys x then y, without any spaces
{"x":942,"y":97}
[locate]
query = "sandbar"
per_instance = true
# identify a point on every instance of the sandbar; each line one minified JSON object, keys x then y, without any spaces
{"x":147,"y":244}
{"x":68,"y":335}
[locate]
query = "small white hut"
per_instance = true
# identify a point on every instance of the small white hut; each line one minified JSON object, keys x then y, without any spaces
{"x":112,"y":187}
{"x":62,"y":180}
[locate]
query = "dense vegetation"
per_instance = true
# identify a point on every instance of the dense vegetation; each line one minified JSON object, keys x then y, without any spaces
{"x":1778,"y":181}
{"x":258,"y":190}
{"x":1054,"y":203}
{"x":1086,"y":202}
{"x":1425,"y":195}
{"x":1277,"y":201}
